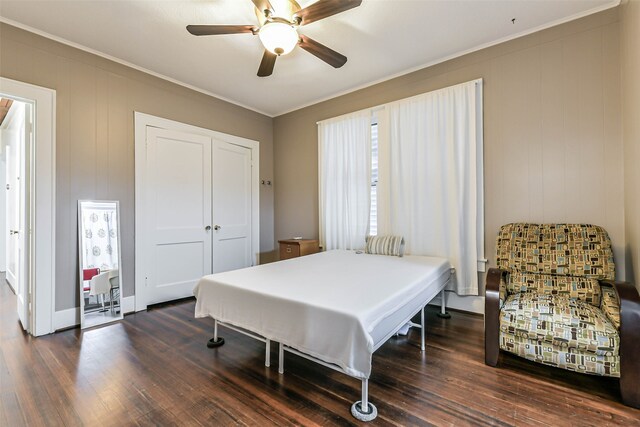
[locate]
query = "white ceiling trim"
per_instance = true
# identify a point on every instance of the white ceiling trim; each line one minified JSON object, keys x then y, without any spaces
{"x":612,"y":4}
{"x":126,"y":64}
{"x":61,"y":40}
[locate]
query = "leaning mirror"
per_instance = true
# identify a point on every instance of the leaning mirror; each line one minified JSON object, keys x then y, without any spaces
{"x":100,"y":261}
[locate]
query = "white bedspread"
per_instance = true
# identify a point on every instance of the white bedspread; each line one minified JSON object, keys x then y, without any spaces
{"x":324,"y":305}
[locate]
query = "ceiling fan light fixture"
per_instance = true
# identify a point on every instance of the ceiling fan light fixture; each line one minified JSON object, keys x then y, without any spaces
{"x":278,"y":37}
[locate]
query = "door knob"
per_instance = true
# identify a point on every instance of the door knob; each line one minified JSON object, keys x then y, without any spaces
{"x":217,"y":227}
{"x":208,"y":227}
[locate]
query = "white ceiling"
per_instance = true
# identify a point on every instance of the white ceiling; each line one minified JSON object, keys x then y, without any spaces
{"x":381,"y":38}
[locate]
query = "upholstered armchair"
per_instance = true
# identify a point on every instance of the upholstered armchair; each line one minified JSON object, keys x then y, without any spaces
{"x":553,"y":300}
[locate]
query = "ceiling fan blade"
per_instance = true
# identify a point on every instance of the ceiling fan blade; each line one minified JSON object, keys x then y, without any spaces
{"x":263,"y":5}
{"x":325,"y":8}
{"x":267,"y":64}
{"x":214,"y":30}
{"x":329,"y":56}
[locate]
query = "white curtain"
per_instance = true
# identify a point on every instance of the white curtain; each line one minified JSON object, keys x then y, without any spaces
{"x":100,"y":238}
{"x":344,"y":153}
{"x":430,"y":177}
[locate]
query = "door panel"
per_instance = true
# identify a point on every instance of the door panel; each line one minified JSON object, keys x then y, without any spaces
{"x":178,"y":202}
{"x":24,"y":306}
{"x":231,"y":206}
{"x":191,"y":266}
{"x":18,"y":136}
{"x":13,"y":209}
{"x":180,"y":184}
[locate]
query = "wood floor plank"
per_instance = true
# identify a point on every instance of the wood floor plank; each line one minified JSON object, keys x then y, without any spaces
{"x":154,"y":368}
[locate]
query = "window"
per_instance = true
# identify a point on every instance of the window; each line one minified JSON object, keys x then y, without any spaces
{"x":373,"y":215}
{"x":429,"y":148}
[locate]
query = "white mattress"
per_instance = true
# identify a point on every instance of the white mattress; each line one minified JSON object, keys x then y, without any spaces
{"x":334,"y":305}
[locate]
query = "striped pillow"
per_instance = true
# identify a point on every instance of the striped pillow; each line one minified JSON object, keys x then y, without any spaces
{"x":385,"y":245}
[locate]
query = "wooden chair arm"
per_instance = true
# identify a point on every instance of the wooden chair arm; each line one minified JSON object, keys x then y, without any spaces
{"x":493,"y":279}
{"x":629,"y":340}
{"x":492,"y":316}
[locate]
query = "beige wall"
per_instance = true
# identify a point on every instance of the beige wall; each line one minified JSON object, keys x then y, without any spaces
{"x":630,"y":49}
{"x":96,"y":99}
{"x":553,"y":144}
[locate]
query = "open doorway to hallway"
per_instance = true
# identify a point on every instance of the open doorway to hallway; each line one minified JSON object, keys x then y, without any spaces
{"x":16,"y":142}
{"x":36,"y":232}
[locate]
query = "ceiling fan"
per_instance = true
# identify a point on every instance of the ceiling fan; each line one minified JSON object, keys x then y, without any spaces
{"x":278,"y":29}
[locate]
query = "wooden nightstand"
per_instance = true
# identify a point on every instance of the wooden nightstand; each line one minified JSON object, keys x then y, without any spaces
{"x":292,"y":248}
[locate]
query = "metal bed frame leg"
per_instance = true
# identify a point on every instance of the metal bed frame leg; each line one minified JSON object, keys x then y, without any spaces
{"x":357,"y":408}
{"x":422,"y":327}
{"x":216,"y":341}
{"x":365,"y":393}
{"x":281,"y":359}
{"x":443,"y":309}
{"x":267,"y":353}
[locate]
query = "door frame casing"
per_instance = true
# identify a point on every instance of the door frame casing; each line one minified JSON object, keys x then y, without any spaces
{"x":141,"y":122}
{"x":41,"y":196}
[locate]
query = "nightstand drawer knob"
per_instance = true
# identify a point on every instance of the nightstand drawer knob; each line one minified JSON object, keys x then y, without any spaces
{"x":288,"y":249}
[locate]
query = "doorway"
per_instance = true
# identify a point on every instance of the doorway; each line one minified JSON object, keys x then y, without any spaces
{"x":27,"y":183}
{"x":16,"y":124}
{"x":196,"y":207}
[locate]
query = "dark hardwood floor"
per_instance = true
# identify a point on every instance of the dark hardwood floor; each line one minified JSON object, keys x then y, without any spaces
{"x":153,"y":368}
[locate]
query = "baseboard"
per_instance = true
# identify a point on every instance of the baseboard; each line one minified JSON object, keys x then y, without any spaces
{"x":129,"y":304}
{"x":64,"y":319}
{"x":473,"y":304}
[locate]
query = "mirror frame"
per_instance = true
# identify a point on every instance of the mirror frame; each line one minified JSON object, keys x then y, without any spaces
{"x":81,"y":248}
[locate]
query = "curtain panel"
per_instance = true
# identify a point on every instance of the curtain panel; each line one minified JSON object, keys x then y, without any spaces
{"x":430,"y":177}
{"x":344,"y":156}
{"x":101,"y":239}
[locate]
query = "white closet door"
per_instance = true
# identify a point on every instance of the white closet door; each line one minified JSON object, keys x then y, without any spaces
{"x":231,"y":207}
{"x":178,"y":206}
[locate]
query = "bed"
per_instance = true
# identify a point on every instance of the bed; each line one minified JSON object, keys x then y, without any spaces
{"x":335,"y":308}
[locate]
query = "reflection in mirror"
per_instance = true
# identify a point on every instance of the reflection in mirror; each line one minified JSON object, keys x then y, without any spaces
{"x":99,"y":253}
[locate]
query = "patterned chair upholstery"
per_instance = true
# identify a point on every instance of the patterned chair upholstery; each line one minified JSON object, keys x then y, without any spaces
{"x":553,"y":300}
